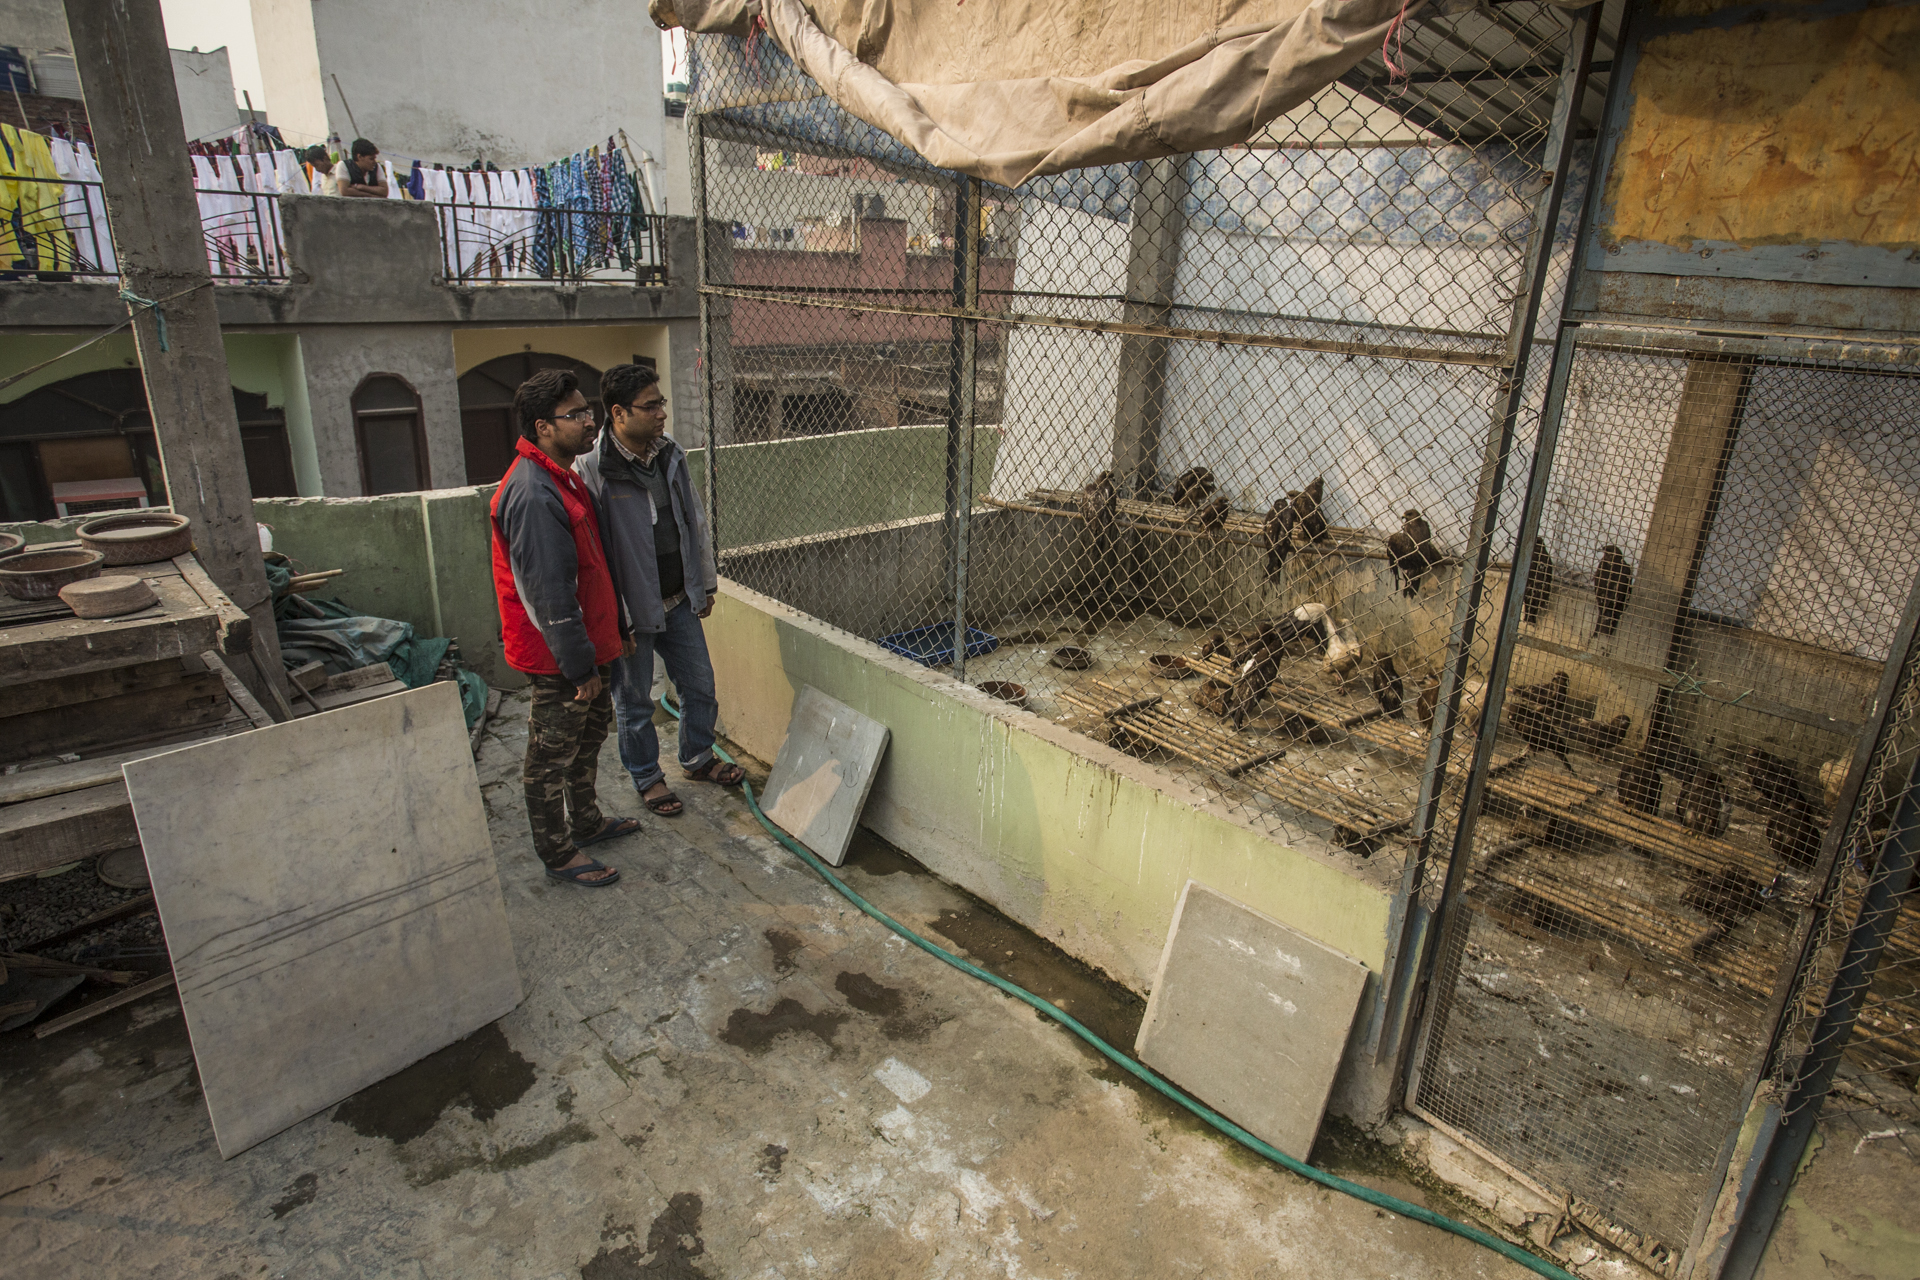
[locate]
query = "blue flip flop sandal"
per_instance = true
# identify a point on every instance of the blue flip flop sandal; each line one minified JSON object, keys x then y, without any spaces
{"x":615,"y":828}
{"x":572,"y":875}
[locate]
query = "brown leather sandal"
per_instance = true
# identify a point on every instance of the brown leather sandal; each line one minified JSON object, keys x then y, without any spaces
{"x":719,"y":772}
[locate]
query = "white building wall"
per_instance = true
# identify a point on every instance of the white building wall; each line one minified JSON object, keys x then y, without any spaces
{"x":449,"y":81}
{"x":205,"y":84}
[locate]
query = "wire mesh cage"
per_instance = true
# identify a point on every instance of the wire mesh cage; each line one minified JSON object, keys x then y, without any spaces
{"x":1209,"y":459}
{"x":1721,"y":567}
{"x":1227,"y":415}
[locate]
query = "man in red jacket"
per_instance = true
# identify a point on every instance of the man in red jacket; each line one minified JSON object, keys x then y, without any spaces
{"x":560,"y":623}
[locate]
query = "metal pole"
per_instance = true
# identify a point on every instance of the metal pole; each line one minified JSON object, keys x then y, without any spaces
{"x":966,"y":296}
{"x":1777,"y":1160}
{"x":697,"y":171}
{"x":1408,"y":985}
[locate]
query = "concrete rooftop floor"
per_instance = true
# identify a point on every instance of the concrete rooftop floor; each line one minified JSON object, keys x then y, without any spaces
{"x":721,"y":1069}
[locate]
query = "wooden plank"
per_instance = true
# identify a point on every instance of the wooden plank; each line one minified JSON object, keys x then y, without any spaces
{"x":242,"y":697}
{"x":89,"y":686}
{"x":311,"y":676}
{"x":181,"y":624}
{"x":479,"y":730}
{"x":58,"y":829}
{"x":236,"y":628}
{"x":195,"y":700}
{"x":139,"y":991}
{"x":376,"y":673}
{"x":31,"y":784}
{"x":332,"y":701}
{"x":120,"y":911}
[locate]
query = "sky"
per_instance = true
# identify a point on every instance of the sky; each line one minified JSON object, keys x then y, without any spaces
{"x":210,"y":24}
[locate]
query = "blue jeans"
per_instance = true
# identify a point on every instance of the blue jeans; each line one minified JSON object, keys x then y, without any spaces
{"x":683,"y":648}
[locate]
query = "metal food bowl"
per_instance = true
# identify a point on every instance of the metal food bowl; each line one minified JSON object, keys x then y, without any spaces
{"x":1006,"y":691}
{"x":39,"y":575}
{"x":1071,"y":658}
{"x":137,"y":537}
{"x":1169,"y":666}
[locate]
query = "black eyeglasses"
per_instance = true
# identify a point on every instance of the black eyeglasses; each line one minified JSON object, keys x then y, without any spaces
{"x":648,"y":406}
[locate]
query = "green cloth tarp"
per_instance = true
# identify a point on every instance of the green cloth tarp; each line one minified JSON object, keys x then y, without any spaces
{"x":334,"y":635}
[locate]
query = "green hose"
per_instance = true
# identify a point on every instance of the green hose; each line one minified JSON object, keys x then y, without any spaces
{"x":1379,"y":1199}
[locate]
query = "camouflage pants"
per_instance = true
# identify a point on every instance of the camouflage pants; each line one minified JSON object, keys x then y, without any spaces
{"x":564,"y":737}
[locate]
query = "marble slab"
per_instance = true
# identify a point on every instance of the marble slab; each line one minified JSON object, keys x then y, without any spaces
{"x":1250,"y":1016}
{"x":821,"y":777}
{"x":328,"y":892}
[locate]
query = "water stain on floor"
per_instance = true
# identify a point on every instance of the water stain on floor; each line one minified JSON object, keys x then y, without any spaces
{"x":481,"y":1072}
{"x":304,"y":1189}
{"x":905,"y":1015}
{"x":785,"y":946}
{"x":756,"y":1032}
{"x":673,"y":1242}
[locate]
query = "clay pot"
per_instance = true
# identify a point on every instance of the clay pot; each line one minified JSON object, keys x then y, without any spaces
{"x":10,"y":543}
{"x":108,"y":597}
{"x":1071,"y":658}
{"x":137,"y":537}
{"x":1006,"y":691}
{"x":39,"y":575}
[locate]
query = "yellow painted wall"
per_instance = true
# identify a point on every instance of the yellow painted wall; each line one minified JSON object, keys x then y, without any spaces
{"x":601,"y":346}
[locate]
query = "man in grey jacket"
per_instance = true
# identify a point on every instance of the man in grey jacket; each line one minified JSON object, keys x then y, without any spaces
{"x":663,"y":571}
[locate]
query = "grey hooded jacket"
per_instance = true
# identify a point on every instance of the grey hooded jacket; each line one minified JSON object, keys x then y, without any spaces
{"x":626,"y":529}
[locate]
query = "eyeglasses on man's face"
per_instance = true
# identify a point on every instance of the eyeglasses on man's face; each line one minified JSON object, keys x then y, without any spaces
{"x":583,"y":414}
{"x":648,"y":406}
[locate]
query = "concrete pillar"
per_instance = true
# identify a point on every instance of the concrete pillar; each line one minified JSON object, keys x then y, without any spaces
{"x":1651,"y":633}
{"x":1153,"y":257}
{"x":120,"y":48}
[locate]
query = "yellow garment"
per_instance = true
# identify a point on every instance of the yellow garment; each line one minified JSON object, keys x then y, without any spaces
{"x":38,"y":238}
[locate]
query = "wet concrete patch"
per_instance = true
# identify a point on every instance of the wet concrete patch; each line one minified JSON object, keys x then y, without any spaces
{"x":480,"y":1072}
{"x":904,"y":1013}
{"x":756,"y":1032}
{"x":785,"y":946}
{"x":673,"y":1242}
{"x":869,"y":853}
{"x":1008,"y":950}
{"x":510,"y":1158}
{"x":304,"y":1189}
{"x":772,"y":1157}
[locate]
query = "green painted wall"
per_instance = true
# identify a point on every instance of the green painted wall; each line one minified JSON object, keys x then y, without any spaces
{"x":1078,"y":842}
{"x":26,"y":350}
{"x":791,"y":488}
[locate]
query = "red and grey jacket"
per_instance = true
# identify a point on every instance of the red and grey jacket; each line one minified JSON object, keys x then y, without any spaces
{"x":558,"y":610}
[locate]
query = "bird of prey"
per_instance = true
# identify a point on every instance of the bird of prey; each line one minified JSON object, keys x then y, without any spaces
{"x":1639,"y":785}
{"x":1538,"y":597}
{"x":1277,"y":531}
{"x":1194,"y":487}
{"x":1597,"y":737}
{"x":1412,"y":552}
{"x":1310,"y":525}
{"x":1612,"y":588}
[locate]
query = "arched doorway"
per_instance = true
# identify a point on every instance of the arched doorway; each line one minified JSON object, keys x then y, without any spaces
{"x":61,"y":443}
{"x":486,"y":407}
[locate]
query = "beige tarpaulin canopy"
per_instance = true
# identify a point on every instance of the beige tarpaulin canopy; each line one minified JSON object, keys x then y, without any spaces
{"x":1011,"y":89}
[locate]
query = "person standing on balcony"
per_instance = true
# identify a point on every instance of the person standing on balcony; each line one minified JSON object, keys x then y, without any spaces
{"x":319,"y":166}
{"x":362,"y":175}
{"x":560,"y":624}
{"x":662,"y":563}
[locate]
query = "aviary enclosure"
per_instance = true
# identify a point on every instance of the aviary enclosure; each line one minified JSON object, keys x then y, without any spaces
{"x":1297,"y":470}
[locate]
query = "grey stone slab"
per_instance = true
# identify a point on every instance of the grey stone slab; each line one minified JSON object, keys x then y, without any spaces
{"x":821,"y":777}
{"x":328,"y":892}
{"x":1250,"y":1016}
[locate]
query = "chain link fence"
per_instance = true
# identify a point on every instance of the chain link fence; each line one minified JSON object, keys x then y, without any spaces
{"x":1721,"y":565}
{"x":1193,"y":457}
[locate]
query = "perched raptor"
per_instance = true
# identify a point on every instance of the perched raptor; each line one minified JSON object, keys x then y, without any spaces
{"x":1412,"y":552}
{"x":1612,"y":588}
{"x":1539,"y":594}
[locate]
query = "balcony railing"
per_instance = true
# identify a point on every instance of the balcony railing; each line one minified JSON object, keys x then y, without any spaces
{"x":511,"y":244}
{"x":57,"y":230}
